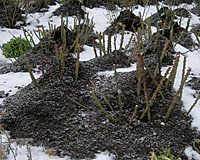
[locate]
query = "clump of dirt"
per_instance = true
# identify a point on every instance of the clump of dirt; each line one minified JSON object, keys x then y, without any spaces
{"x":70,"y":8}
{"x":126,"y":17}
{"x":45,"y":50}
{"x":49,"y":117}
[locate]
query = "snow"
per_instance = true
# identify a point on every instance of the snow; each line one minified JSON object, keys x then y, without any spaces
{"x":87,"y":54}
{"x":10,"y":82}
{"x":99,"y":18}
{"x":191,"y":153}
{"x":122,"y":70}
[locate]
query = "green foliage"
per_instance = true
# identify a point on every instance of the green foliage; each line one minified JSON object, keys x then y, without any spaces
{"x":15,"y":47}
{"x":167,"y":155}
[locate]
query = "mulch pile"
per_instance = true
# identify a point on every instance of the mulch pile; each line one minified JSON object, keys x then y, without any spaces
{"x":49,"y":117}
{"x":52,"y":119}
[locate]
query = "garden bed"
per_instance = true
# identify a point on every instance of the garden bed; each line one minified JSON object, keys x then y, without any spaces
{"x":62,"y":113}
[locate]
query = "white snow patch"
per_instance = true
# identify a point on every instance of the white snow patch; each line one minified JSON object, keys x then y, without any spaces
{"x":122,"y":70}
{"x":10,"y":82}
{"x":192,"y":154}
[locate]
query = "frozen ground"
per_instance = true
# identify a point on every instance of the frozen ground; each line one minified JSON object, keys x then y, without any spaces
{"x":10,"y":82}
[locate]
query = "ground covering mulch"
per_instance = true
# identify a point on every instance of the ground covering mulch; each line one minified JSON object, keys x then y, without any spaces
{"x":52,"y":119}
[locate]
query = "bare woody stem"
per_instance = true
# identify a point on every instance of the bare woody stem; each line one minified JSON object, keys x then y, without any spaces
{"x":155,"y":93}
{"x":176,"y":96}
{"x":118,"y":89}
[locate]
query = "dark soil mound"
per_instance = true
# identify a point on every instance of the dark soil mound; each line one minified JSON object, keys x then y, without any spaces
{"x":72,"y":8}
{"x":53,"y":120}
{"x":126,"y":17}
{"x":9,"y":15}
{"x":167,"y":15}
{"x":45,"y":50}
{"x":109,"y":3}
{"x":160,"y":16}
{"x":181,"y":36}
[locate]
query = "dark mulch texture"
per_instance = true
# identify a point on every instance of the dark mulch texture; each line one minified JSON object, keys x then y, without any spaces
{"x":52,"y":120}
{"x":37,"y":54}
{"x":72,"y":8}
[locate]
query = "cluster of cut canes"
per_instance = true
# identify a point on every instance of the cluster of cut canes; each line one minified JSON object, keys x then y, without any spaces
{"x":84,"y":34}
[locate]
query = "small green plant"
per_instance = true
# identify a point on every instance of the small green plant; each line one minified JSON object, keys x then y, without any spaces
{"x":167,"y":155}
{"x":15,"y":47}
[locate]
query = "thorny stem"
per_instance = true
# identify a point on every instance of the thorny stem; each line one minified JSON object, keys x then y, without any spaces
{"x":193,"y":105}
{"x":31,"y":74}
{"x":104,"y":98}
{"x":134,"y":114}
{"x":118,"y":89}
{"x":183,"y":73}
{"x":100,"y":106}
{"x":77,"y":102}
{"x":154,"y":81}
{"x":94,"y":48}
{"x":155,"y":93}
{"x":176,"y":96}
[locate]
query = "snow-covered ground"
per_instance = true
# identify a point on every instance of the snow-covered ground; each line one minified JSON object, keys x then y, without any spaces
{"x":10,"y":82}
